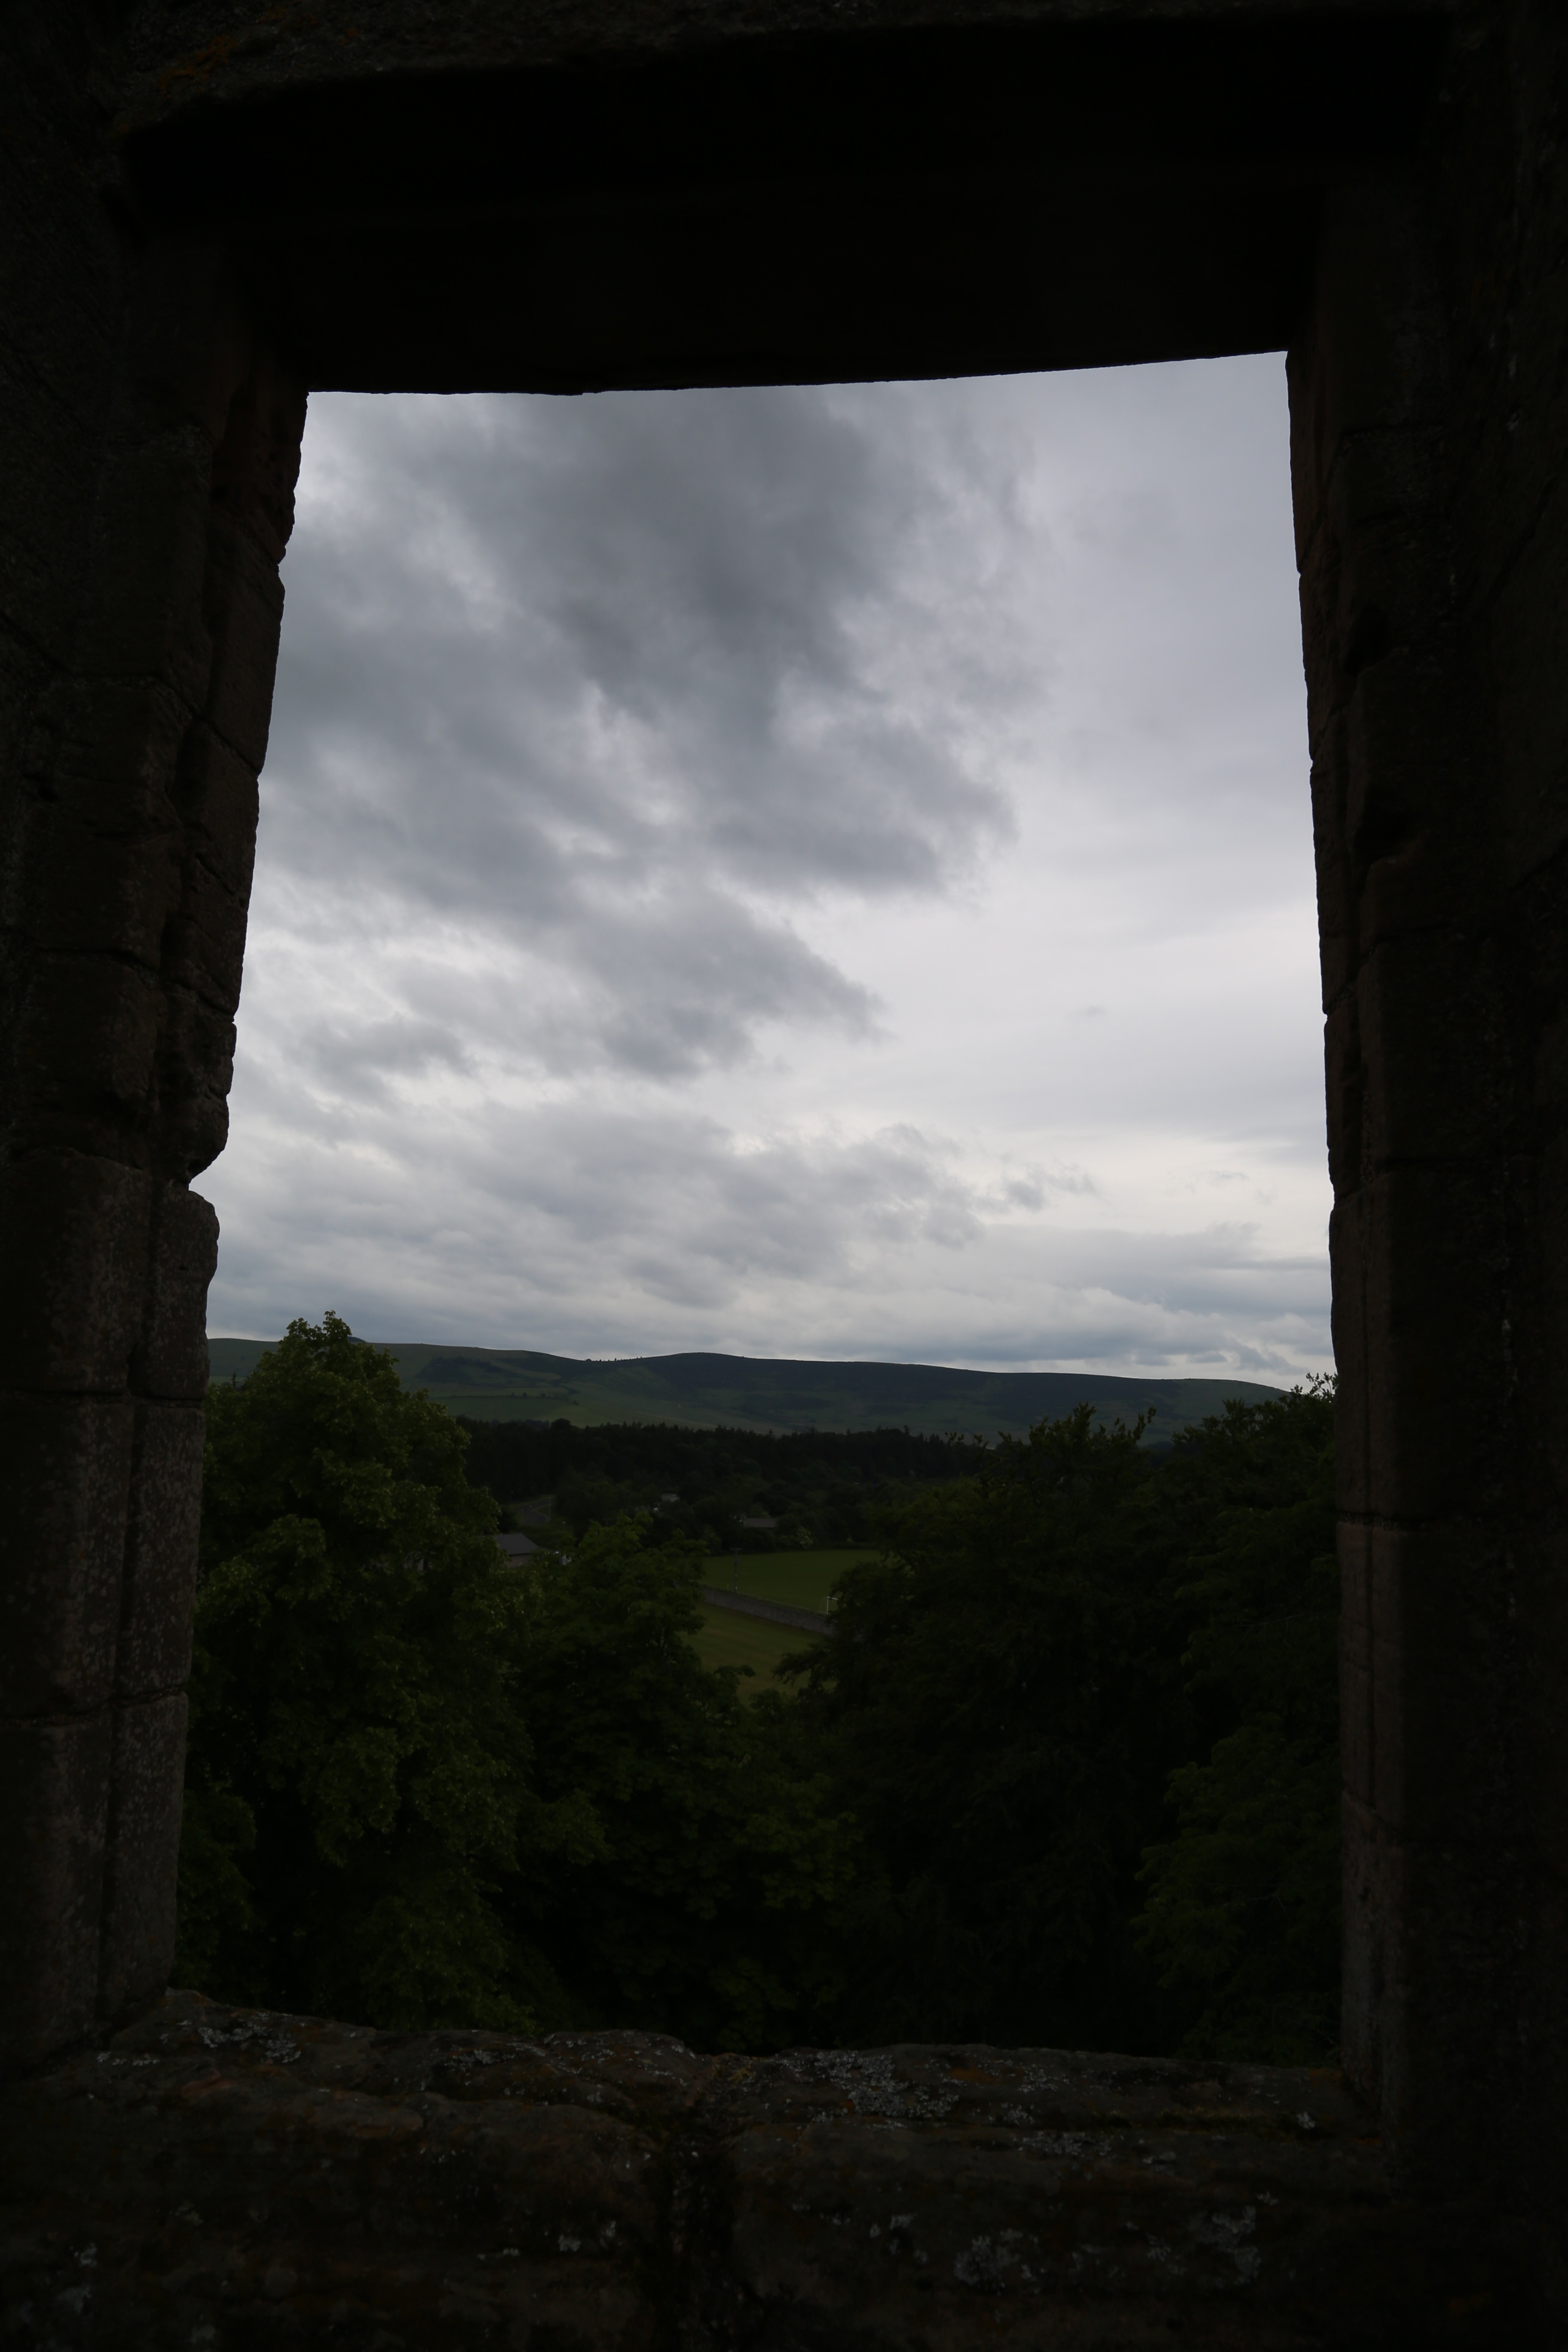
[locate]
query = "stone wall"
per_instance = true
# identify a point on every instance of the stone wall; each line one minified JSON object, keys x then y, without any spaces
{"x":209,"y":206}
{"x":217,"y":2177}
{"x":156,"y":442}
{"x":1429,"y":396}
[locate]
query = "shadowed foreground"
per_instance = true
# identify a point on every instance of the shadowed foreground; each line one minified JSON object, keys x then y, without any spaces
{"x":228,"y":2178}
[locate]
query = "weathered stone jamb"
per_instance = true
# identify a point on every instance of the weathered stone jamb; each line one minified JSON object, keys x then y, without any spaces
{"x":1427,"y":396}
{"x":130,"y":814}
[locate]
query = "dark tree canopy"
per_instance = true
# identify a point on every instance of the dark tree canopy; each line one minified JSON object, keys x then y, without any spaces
{"x":823,"y":1485}
{"x":429,"y":1785}
{"x":1066,"y":1774}
{"x":1242,"y":1908}
{"x":1085,"y":1709}
{"x":359,"y":1783}
{"x":708,"y":1914}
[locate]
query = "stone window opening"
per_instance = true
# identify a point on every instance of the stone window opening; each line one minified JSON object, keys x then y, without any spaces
{"x":208,"y":218}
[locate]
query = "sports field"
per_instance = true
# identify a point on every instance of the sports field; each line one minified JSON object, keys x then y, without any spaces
{"x":727,"y":1639}
{"x":801,"y":1579}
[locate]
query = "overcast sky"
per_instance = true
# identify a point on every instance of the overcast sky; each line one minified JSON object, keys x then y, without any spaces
{"x":817,"y":872}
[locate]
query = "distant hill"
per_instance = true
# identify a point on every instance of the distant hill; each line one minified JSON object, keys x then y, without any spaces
{"x":765,"y":1393}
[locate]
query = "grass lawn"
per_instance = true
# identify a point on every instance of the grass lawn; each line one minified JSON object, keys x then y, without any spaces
{"x":800,"y":1578}
{"x":727,"y":1639}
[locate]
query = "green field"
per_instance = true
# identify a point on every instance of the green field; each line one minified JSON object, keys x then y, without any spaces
{"x":765,"y":1393}
{"x":727,"y":1639}
{"x":801,"y":1580}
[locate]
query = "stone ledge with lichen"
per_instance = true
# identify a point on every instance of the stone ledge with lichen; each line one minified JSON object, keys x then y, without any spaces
{"x":217,"y":2177}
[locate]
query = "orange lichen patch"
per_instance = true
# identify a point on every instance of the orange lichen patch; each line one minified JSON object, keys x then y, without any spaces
{"x":202,"y":63}
{"x":225,"y":48}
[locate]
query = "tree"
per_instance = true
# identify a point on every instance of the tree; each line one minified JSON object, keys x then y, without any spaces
{"x":703,"y":1916}
{"x":1085,"y":1708}
{"x":427,"y":1785}
{"x":1243,"y":1910}
{"x":1067,"y":1772}
{"x":359,"y":1779}
{"x":1002,"y":1701}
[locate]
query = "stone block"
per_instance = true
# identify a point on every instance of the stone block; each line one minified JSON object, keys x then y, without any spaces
{"x":164,"y":1529}
{"x":144,"y":619}
{"x":1438,"y":1649}
{"x":57,"y":386}
{"x":1383,"y":480}
{"x":1349,"y":1230}
{"x":26,"y":676}
{"x":65,"y":1471}
{"x":196,"y":1071}
{"x":170,"y":1355}
{"x":1430,"y":1014}
{"x":1345,"y":1089}
{"x":256,"y":463}
{"x":91,"y":893}
{"x":190,"y":338}
{"x":1381,"y":361}
{"x":203,"y":943}
{"x":105,"y":752}
{"x":1524,"y":656}
{"x":1372,"y":2014}
{"x":1325,"y":696}
{"x":44,"y":516}
{"x":1337,"y":899}
{"x":87,"y":1044}
{"x":1535,"y":1567}
{"x":1454,"y":2021}
{"x":244,"y":605}
{"x":52,"y":1830}
{"x":1358,"y":1736}
{"x":1394,"y":588}
{"x":1309,"y":461}
{"x":1414,"y":821}
{"x":1535,"y":1186}
{"x":1436,"y":1368}
{"x":217,"y":798}
{"x":146,"y":1790}
{"x":73,"y":1237}
{"x":1533,"y":958}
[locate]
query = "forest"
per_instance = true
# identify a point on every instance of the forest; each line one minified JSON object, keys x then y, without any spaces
{"x":823,"y":1486}
{"x":1066,"y":1774}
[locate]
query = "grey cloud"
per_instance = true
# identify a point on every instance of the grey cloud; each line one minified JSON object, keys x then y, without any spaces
{"x":609,"y":734}
{"x":683,"y":1194}
{"x":661,"y":987}
{"x":364,"y":1060}
{"x":588,"y":676}
{"x":585,"y":1228}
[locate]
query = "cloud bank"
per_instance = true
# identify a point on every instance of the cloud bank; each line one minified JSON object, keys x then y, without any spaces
{"x":809,"y":870}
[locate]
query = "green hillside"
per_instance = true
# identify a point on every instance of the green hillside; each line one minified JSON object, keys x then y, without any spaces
{"x":761,"y":1392}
